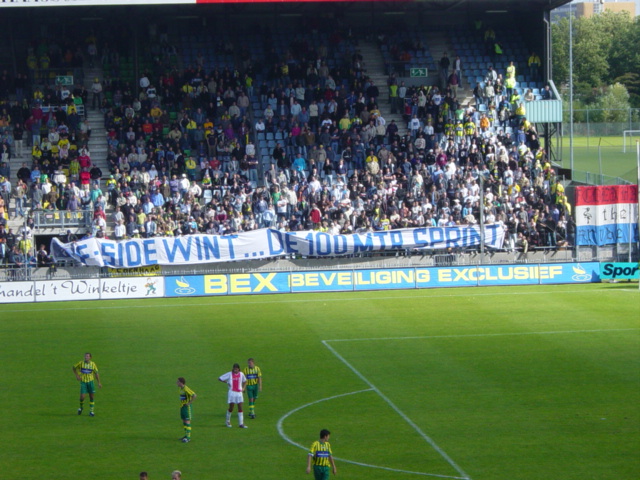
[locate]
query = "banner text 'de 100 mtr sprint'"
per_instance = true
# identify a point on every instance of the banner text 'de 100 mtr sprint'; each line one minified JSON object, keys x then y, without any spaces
{"x":266,"y":243}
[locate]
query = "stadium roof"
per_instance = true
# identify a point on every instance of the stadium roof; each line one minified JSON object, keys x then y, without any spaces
{"x":489,"y":6}
{"x":495,"y":6}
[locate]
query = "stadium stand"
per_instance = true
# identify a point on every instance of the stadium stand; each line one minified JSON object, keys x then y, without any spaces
{"x":283,"y":129}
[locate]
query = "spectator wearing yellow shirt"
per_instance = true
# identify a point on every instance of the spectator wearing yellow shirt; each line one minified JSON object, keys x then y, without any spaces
{"x":191,"y":168}
{"x":534,"y":66}
{"x":345,"y":122}
{"x":156,"y":113}
{"x":36,"y":153}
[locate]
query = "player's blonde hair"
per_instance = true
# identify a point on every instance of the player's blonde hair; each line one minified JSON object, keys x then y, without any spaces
{"x":176,"y":475}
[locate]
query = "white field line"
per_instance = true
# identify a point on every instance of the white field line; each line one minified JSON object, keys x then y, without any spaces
{"x":428,"y":439}
{"x":321,"y":299}
{"x":471,"y":335}
{"x":288,"y":439}
{"x":394,"y":407}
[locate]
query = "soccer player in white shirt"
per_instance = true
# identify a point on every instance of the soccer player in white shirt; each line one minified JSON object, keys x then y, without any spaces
{"x":237,"y":383}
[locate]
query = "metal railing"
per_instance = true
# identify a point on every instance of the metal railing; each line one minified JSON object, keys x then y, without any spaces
{"x":591,"y":178}
{"x":543,"y":255}
{"x":62,"y":218}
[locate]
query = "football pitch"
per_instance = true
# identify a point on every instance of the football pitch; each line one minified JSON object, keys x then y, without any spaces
{"x":522,"y":383}
{"x":590,"y":154}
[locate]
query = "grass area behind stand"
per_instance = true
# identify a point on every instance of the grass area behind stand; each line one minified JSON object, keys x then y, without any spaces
{"x":590,"y":154}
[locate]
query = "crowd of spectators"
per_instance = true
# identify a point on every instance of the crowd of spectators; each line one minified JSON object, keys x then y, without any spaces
{"x":43,"y":137}
{"x":292,"y":144}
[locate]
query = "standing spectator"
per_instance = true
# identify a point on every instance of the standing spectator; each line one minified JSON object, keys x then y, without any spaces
{"x":372,"y":92}
{"x":534,"y":66}
{"x":96,"y":90}
{"x":18,"y":139}
{"x":444,"y":69}
{"x":414,"y":125}
{"x":453,"y":84}
{"x":4,"y":252}
{"x":457,"y":68}
{"x":20,"y":194}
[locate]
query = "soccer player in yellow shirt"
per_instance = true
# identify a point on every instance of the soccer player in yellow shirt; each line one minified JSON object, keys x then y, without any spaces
{"x":254,"y":384}
{"x":321,"y":457}
{"x":86,"y":371}
{"x":187,"y":396}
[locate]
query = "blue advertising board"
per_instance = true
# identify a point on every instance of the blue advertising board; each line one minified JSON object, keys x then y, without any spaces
{"x":381,"y":279}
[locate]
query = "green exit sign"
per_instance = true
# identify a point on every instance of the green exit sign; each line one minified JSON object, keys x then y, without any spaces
{"x":418,"y":72}
{"x":64,"y":80}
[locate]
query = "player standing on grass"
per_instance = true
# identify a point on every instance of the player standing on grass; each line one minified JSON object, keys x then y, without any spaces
{"x":86,"y":371}
{"x":254,"y":385}
{"x":237,"y":383}
{"x":187,"y":396}
{"x":321,"y":457}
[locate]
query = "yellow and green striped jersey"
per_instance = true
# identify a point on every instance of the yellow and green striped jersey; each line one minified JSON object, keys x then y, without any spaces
{"x":87,"y":370}
{"x":252,"y":374}
{"x":186,"y":394}
{"x":321,"y":453}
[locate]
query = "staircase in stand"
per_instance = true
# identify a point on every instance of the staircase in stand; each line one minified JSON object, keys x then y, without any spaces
{"x":438,"y":44}
{"x":374,"y":64}
{"x":98,"y":140}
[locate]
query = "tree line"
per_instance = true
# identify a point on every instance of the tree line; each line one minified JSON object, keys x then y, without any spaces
{"x":606,"y":59}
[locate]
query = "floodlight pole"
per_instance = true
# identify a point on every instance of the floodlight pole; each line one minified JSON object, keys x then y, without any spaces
{"x":600,"y":159}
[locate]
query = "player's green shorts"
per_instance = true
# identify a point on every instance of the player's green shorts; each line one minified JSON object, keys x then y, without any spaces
{"x":185,"y":412}
{"x":320,"y":473}
{"x":87,"y":387}
{"x":252,"y":391}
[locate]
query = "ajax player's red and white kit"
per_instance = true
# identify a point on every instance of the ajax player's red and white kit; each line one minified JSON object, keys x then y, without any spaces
{"x":235,"y":382}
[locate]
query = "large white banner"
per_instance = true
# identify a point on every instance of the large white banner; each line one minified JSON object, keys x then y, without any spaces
{"x":266,"y":243}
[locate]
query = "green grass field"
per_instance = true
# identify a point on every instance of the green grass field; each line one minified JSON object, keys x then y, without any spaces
{"x":615,"y":163}
{"x":522,"y":383}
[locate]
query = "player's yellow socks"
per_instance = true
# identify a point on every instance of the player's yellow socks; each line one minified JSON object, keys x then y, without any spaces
{"x":187,"y":430}
{"x":252,"y":408}
{"x":91,"y":405}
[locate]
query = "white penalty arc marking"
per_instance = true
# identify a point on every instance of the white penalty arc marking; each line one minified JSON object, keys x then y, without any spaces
{"x":402,"y":414}
{"x":295,"y":444}
{"x":425,"y":437}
